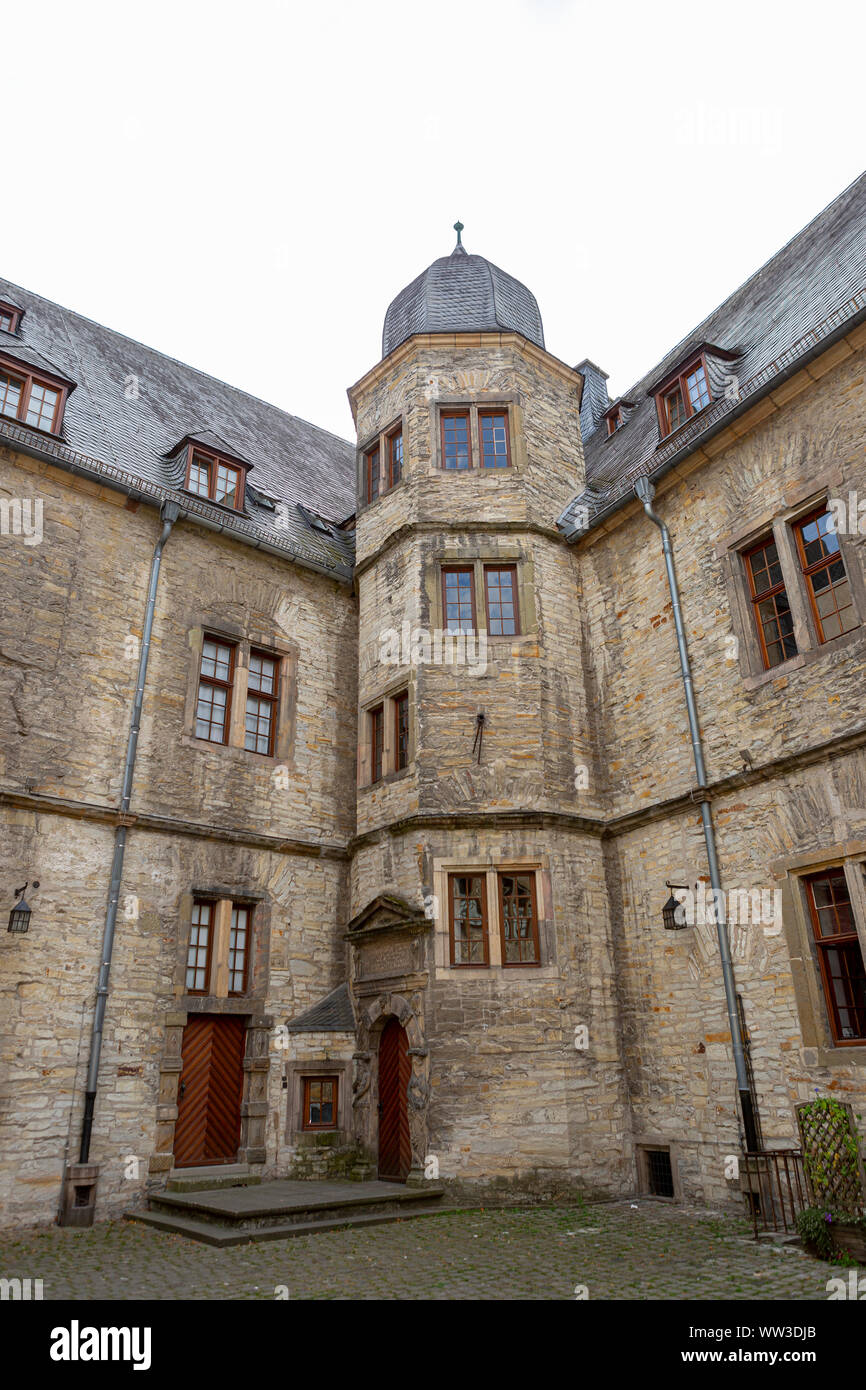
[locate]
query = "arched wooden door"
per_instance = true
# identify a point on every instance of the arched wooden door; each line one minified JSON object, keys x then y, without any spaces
{"x":395,"y":1069}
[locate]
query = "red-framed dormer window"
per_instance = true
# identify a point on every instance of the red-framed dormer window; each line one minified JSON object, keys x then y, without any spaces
{"x":30,"y":397}
{"x":10,"y":317}
{"x":218,"y":479}
{"x":614,"y":420}
{"x":683,"y":395}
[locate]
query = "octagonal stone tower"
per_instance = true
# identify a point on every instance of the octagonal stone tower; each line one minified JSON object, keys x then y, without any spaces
{"x":479,"y":912}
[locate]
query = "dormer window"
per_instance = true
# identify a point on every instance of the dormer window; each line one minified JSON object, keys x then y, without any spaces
{"x":31,"y":398}
{"x":614,"y":420}
{"x":215,"y":478}
{"x":683,"y":395}
{"x":10,"y":317}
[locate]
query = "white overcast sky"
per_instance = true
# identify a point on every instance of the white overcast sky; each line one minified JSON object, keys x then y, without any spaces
{"x":246,"y":187}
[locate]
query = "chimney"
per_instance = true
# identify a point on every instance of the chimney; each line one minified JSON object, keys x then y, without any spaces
{"x":595,"y":400}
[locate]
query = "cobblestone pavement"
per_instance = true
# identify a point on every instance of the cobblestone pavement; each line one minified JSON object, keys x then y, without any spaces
{"x":624,"y":1251}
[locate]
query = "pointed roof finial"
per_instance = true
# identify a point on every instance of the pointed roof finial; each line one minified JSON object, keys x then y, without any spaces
{"x":458,"y":227}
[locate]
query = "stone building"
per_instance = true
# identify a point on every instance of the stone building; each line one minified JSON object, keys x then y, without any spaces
{"x":380,"y":869}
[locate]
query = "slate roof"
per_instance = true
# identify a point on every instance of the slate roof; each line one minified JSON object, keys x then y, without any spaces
{"x":333,"y":1014}
{"x":292,"y":461}
{"x":462,"y":294}
{"x":809,"y":292}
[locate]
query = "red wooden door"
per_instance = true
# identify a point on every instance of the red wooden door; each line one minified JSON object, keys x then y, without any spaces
{"x":208,"y":1127}
{"x":395,"y":1067}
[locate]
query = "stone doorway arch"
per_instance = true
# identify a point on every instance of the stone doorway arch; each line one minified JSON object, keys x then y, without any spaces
{"x":372,"y":1020}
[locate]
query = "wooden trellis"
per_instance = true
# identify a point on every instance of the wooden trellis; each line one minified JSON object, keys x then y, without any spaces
{"x":832,"y":1155}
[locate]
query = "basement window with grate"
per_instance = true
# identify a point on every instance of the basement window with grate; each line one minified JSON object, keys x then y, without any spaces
{"x":655,"y":1171}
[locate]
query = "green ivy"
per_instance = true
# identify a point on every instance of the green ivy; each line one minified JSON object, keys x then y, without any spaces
{"x":837,"y":1159}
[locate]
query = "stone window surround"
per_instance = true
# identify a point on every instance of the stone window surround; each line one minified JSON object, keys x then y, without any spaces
{"x":780,"y":524}
{"x":489,"y":868}
{"x":386,"y":697}
{"x":504,"y":554}
{"x":218,"y":1000}
{"x":243,"y":639}
{"x":797,"y":926}
{"x":646,"y":1146}
{"x":506,"y":401}
{"x":297,"y":1069}
{"x":380,"y":438}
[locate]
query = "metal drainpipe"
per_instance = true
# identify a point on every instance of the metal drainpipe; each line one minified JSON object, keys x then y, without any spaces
{"x":169,"y":513}
{"x":645,"y":492}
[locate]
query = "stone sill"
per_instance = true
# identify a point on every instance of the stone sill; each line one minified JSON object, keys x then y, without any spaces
{"x":806,"y":658}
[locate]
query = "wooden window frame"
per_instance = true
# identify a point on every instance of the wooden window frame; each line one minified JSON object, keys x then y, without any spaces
{"x":677,"y":381}
{"x":824,"y":943}
{"x":458,"y":569}
{"x":807,"y":570}
{"x":212,"y":904}
{"x":485,"y":919}
{"x":196,"y":454}
{"x":248,"y":908}
{"x":28,"y":379}
{"x":401,"y":703}
{"x":227,"y":685}
{"x":376,"y":725}
{"x":13,"y":313}
{"x":273,"y":699}
{"x":512,"y":568}
{"x":374,"y":450}
{"x":536,"y":936}
{"x":456,"y":414}
{"x":755,"y":599}
{"x":391,"y":439}
{"x":485,"y":412}
{"x":614,"y":420}
{"x":305,"y":1108}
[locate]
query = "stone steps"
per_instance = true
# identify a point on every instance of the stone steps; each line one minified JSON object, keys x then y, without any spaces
{"x":234,"y":1215}
{"x":206,"y":1179}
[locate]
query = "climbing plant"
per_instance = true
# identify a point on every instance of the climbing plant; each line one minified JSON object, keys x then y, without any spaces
{"x":832,"y":1161}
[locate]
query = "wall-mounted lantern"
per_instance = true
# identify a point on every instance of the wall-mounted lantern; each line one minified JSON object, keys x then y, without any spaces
{"x":674,"y":912}
{"x":19,"y":917}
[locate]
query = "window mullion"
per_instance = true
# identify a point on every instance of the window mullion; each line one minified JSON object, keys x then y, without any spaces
{"x":494,"y":919}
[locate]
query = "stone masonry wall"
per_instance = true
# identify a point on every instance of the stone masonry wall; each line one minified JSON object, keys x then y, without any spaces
{"x":209,"y":818}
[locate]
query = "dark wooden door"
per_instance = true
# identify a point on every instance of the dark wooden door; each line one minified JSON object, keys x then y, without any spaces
{"x":208,"y":1127}
{"x":395,"y":1067}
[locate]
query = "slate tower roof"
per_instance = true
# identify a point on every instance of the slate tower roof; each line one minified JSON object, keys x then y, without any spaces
{"x":462,"y":294}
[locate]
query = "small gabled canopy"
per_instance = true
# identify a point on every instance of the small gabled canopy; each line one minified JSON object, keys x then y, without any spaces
{"x":697,"y":349}
{"x":10,"y":307}
{"x":386,"y":913}
{"x":35,"y":361}
{"x":333,"y":1014}
{"x":212,"y":444}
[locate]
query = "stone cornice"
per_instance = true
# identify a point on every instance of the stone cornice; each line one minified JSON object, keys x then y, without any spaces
{"x":600,"y":827}
{"x":606,"y":828}
{"x":166,"y":825}
{"x":455,"y":341}
{"x":484,"y":528}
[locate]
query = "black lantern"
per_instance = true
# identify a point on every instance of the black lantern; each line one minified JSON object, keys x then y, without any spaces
{"x":19,"y":917}
{"x":674,"y":912}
